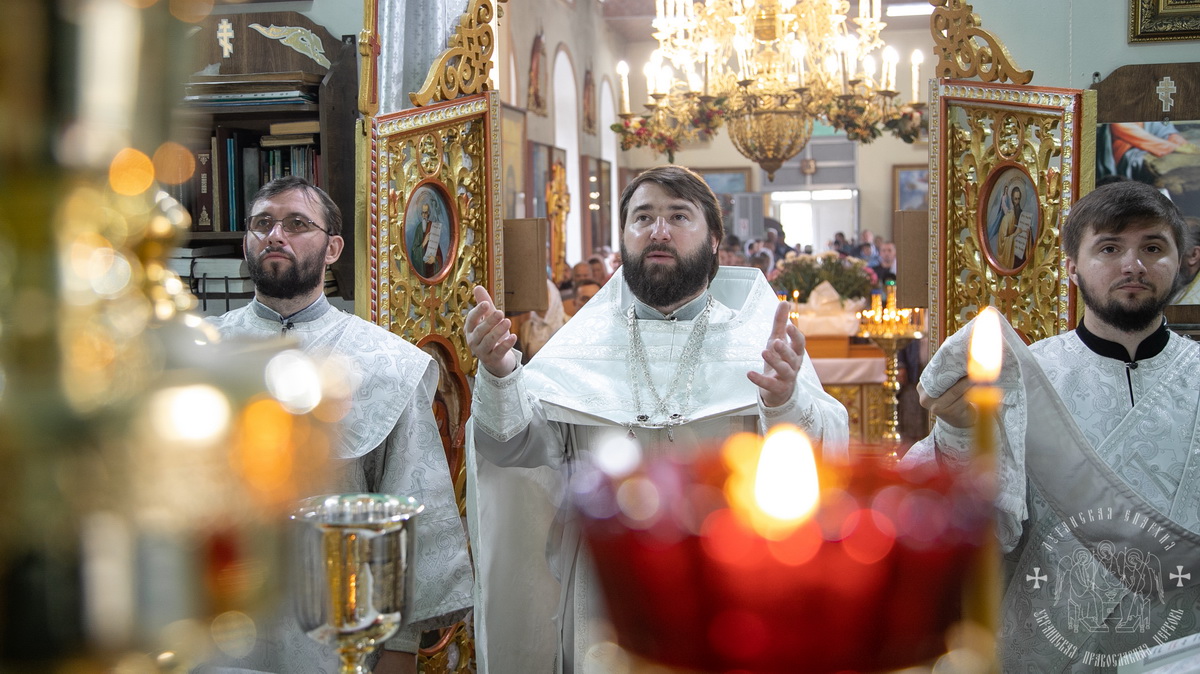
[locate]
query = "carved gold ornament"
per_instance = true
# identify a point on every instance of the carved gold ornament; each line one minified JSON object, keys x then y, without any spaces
{"x":965,"y":50}
{"x":462,"y":69}
{"x":558,"y":204}
{"x":368,"y":49}
{"x":450,"y":152}
{"x":985,"y":140}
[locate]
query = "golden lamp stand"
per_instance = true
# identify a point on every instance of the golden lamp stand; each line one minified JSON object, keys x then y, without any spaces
{"x":890,"y":329}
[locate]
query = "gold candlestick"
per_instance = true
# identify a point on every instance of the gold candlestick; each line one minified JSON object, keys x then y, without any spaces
{"x":890,"y":329}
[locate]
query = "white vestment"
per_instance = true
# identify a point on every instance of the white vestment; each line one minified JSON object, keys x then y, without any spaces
{"x":389,"y":443}
{"x":579,"y":390}
{"x":1099,"y":500}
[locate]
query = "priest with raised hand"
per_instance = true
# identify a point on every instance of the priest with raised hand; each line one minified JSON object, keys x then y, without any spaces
{"x":673,"y":351}
{"x":1099,"y":464}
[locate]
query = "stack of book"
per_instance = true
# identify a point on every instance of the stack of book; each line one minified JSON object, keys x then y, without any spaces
{"x":251,"y":89}
{"x":220,"y":277}
{"x":183,"y":260}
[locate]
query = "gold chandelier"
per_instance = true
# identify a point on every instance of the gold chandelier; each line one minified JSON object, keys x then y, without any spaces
{"x":768,"y":68}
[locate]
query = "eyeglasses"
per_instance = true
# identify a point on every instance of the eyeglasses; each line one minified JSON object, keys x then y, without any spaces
{"x":261,"y":225}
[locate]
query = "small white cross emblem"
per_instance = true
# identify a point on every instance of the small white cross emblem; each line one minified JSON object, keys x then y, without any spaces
{"x":225,"y":38}
{"x":1180,"y":576}
{"x":1165,"y":90}
{"x":1037,"y":577}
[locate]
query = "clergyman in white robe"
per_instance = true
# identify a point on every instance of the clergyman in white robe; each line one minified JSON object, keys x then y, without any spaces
{"x":389,"y":444}
{"x":1099,"y":494}
{"x":578,"y":391}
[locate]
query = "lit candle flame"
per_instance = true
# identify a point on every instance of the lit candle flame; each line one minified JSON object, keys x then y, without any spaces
{"x":986,"y":350}
{"x":772,"y":486}
{"x":785,"y":486}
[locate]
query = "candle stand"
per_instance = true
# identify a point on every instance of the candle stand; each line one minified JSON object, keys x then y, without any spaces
{"x":890,"y":329}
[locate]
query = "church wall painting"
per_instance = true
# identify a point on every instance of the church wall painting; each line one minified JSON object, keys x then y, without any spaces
{"x":536,"y":101}
{"x":1160,"y":153}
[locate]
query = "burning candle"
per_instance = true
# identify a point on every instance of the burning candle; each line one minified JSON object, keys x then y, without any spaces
{"x":982,"y":603}
{"x":623,"y":77}
{"x":763,"y":558}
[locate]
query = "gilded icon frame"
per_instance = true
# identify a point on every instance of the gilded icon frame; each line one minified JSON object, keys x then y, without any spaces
{"x":980,"y":132}
{"x":452,"y":148}
{"x":1160,"y":21}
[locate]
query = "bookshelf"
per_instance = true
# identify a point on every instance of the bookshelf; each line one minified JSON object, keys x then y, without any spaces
{"x":269,"y":81}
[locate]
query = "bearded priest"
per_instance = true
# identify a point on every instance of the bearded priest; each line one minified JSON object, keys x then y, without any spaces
{"x":674,"y":350}
{"x":1099,"y":450}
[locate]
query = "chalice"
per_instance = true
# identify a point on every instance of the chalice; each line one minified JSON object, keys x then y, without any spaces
{"x":353,"y":584}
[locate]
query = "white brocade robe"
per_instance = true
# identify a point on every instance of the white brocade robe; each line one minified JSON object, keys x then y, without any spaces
{"x":389,"y":443}
{"x":576,"y":392}
{"x":1112,"y":502}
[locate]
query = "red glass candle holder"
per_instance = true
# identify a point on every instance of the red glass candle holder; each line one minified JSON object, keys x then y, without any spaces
{"x":871,"y":581}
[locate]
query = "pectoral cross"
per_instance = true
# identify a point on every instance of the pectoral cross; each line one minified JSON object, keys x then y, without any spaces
{"x":1166,"y":90}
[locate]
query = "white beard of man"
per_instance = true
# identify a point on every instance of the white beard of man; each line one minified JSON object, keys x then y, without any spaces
{"x":291,"y":281}
{"x":1127,"y":318}
{"x":662,"y":285}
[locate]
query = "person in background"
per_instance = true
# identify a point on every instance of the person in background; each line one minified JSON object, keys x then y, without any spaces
{"x":586,"y":291}
{"x":862,"y":251}
{"x":774,"y":240}
{"x":600,"y":273}
{"x":537,"y":329}
{"x":567,"y":276}
{"x":868,"y":238}
{"x":762,"y":262}
{"x":840,"y":245}
{"x":885,"y":269}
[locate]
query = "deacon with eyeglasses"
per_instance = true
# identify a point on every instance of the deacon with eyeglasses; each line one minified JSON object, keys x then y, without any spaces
{"x":389,"y":440}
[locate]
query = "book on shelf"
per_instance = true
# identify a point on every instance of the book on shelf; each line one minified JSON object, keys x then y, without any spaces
{"x":225,"y":285}
{"x":182,"y":266}
{"x":240,"y":78}
{"x":280,"y":140}
{"x":300,"y":126}
{"x":242,"y":98}
{"x":216,"y":250}
{"x":223,"y":88}
{"x":220,"y":267}
{"x":201,"y":206}
{"x":218,"y":200}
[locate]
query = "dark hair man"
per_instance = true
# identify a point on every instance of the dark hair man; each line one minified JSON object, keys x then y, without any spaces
{"x":1097,"y":455}
{"x":390,"y":441}
{"x":670,"y":350}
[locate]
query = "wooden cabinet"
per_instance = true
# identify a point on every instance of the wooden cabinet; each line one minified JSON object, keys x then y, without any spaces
{"x":265,"y":75}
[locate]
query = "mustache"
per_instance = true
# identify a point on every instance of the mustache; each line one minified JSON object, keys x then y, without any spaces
{"x":276,"y":249}
{"x":659,"y":248}
{"x":1140,"y":281}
